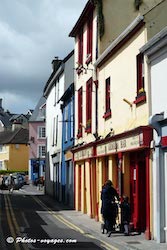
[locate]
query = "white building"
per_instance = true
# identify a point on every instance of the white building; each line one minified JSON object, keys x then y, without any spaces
{"x":156,"y":53}
{"x":53,"y":90}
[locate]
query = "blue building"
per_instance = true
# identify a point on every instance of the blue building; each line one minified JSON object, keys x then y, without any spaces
{"x":67,"y":172}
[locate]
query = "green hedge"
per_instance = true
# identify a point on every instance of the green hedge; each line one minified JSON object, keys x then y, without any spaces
{"x":13,"y":171}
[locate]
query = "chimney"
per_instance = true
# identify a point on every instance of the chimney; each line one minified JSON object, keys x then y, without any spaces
{"x":55,"y":63}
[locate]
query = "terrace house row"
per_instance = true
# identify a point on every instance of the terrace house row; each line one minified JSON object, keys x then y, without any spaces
{"x":113,"y":138}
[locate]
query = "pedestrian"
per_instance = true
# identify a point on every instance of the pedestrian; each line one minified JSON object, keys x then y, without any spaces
{"x":1,"y":181}
{"x":109,"y":208}
{"x":11,"y":183}
{"x":125,"y":213}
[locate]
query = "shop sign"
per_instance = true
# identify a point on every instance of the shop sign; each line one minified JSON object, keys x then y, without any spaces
{"x":119,"y":145}
{"x":83,"y":154}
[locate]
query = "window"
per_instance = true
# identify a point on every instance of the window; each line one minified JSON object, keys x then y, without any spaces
{"x":55,"y":130}
{"x":80,"y":48}
{"x":1,"y":148}
{"x":72,"y":118}
{"x":107,"y":113}
{"x":66,"y":123}
{"x":89,"y":39}
{"x":79,"y":134}
{"x":89,"y":106}
{"x":141,"y":95}
{"x":41,"y":151}
{"x":41,"y":132}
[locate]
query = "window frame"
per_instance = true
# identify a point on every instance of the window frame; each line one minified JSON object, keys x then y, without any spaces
{"x":89,"y":39}
{"x":80,"y":47}
{"x":89,"y":85}
{"x":141,"y":94}
{"x":80,"y":112}
{"x":40,"y":132}
{"x":107,"y":113}
{"x":40,"y":146}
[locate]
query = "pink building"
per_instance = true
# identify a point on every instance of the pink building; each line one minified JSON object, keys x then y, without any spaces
{"x":37,"y":142}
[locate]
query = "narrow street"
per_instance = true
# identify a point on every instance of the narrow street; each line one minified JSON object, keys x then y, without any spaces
{"x":29,"y":221}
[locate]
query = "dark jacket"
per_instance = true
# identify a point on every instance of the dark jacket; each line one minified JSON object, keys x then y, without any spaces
{"x":108,"y":195}
{"x":125,"y":211}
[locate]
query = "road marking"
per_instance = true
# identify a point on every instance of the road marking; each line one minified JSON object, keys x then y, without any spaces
{"x":9,"y":219}
{"x":13,"y":218}
{"x":71,"y":225}
{"x":109,"y":246}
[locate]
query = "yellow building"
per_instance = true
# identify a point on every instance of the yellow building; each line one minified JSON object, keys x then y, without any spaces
{"x":113,"y":105}
{"x":14,"y":150}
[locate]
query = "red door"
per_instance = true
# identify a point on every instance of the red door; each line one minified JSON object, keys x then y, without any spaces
{"x":138,"y":190}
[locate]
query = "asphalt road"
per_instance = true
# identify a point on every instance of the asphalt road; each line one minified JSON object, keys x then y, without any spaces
{"x":30,"y":221}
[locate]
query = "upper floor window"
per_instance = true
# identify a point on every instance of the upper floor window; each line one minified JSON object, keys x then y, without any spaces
{"x":72,"y":118}
{"x":41,"y":151}
{"x":89,"y":105}
{"x":55,"y":131}
{"x":41,"y":132}
{"x":79,"y":134}
{"x":89,"y":39}
{"x":1,"y":148}
{"x":141,"y":95}
{"x":107,"y":113}
{"x":80,"y":47}
{"x":66,"y":122}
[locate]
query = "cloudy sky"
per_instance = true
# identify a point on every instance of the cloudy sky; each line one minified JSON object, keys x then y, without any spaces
{"x":32,"y":33}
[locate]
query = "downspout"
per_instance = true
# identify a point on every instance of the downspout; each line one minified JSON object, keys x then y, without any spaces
{"x":159,"y":172}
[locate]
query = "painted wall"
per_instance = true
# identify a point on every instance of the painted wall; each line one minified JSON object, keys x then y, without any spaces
{"x":81,"y":80}
{"x":18,"y":157}
{"x":121,"y":68}
{"x":53,"y":129}
{"x":114,"y":26}
{"x":33,"y":132}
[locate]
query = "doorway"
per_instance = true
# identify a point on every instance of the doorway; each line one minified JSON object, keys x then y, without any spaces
{"x":138,"y":190}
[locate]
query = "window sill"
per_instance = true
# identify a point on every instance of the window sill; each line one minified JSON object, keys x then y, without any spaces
{"x":107,"y":114}
{"x":88,"y":130}
{"x":140,"y":98}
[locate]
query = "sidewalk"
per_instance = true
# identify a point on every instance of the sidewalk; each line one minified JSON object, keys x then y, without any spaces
{"x":89,"y":226}
{"x":118,"y":240}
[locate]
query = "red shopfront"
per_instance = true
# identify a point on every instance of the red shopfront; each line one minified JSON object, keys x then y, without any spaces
{"x":134,"y":145}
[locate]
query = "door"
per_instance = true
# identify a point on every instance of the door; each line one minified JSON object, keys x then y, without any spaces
{"x":138,"y":190}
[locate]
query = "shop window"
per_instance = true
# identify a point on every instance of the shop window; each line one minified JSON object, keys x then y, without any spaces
{"x":79,"y":134}
{"x":141,"y":94}
{"x":89,"y":39}
{"x":88,"y":106}
{"x":107,"y":113}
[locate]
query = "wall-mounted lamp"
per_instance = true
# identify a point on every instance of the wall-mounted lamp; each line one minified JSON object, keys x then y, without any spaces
{"x":128,"y":102}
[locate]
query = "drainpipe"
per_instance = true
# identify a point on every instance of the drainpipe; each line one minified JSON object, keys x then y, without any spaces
{"x":159,"y":175}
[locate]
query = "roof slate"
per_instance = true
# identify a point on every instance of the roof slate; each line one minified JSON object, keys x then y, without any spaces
{"x":19,"y":136}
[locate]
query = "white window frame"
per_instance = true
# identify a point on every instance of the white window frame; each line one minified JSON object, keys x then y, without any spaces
{"x":40,"y":151}
{"x":41,"y":132}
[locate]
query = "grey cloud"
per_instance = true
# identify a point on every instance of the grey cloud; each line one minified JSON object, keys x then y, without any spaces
{"x":32,"y":33}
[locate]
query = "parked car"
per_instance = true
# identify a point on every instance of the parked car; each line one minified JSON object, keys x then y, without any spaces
{"x":4,"y":184}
